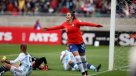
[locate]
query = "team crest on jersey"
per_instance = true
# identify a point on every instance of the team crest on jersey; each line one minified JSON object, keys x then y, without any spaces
{"x":73,"y":25}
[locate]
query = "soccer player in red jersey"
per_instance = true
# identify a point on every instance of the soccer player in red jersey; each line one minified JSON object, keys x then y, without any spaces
{"x":75,"y":40}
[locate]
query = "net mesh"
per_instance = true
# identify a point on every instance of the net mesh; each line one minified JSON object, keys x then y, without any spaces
{"x":125,"y":16}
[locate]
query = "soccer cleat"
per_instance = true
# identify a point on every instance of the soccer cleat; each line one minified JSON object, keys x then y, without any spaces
{"x":86,"y":72}
{"x":98,"y":68}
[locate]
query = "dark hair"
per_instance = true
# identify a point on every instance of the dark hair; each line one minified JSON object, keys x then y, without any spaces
{"x":23,"y":47}
{"x":73,"y":15}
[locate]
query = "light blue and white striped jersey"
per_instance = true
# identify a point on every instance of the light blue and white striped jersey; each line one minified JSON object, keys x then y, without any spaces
{"x":25,"y":61}
{"x":66,"y":56}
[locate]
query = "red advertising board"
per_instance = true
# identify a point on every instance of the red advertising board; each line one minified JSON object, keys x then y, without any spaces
{"x":17,"y":35}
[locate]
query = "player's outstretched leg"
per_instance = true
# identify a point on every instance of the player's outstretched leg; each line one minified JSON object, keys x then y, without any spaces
{"x":92,"y":67}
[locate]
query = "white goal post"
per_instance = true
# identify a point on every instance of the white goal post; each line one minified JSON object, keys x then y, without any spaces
{"x":112,"y":35}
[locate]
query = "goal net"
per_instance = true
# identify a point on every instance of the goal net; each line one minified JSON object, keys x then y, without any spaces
{"x":126,"y":36}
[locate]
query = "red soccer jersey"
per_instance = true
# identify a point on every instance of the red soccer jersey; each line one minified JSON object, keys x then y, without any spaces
{"x":73,"y":30}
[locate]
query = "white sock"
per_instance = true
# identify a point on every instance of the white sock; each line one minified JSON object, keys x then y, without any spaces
{"x":76,"y":67}
{"x":92,"y":67}
{"x":83,"y":58}
{"x":79,"y":63}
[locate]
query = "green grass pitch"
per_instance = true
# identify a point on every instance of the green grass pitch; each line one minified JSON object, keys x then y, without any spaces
{"x":95,"y":55}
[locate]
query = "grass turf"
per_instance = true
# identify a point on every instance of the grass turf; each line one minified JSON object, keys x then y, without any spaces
{"x":95,"y":55}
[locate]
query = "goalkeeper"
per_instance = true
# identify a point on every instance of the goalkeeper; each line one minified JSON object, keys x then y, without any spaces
{"x":37,"y":63}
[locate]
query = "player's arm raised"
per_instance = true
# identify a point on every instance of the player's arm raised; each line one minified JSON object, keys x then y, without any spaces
{"x":54,"y":28}
{"x":88,"y":24}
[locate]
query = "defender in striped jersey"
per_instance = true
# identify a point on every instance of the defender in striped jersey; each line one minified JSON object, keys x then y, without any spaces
{"x":22,"y":69}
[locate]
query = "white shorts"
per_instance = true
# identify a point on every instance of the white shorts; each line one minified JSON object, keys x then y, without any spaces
{"x":67,"y":66}
{"x":17,"y":71}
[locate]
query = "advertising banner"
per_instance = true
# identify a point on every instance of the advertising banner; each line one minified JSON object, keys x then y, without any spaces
{"x":103,"y":38}
{"x":16,"y":35}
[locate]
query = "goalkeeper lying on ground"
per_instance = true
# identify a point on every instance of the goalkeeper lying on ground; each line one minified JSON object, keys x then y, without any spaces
{"x":40,"y":63}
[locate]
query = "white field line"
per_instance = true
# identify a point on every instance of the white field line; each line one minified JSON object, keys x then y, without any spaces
{"x":120,"y":68}
{"x":100,"y":73}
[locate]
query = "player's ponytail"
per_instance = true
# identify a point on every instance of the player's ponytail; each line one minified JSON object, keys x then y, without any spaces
{"x":73,"y":15}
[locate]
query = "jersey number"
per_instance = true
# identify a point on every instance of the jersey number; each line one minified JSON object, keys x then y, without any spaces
{"x":30,"y":59}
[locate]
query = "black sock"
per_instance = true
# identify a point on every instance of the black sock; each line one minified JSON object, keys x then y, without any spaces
{"x":88,"y":66}
{"x":2,"y":70}
{"x":86,"y":72}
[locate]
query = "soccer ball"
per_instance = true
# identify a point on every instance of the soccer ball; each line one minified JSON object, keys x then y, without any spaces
{"x":4,"y":57}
